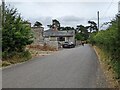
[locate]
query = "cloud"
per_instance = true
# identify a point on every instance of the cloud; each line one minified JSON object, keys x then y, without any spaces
{"x":61,"y":0}
{"x":71,"y":19}
{"x":68,"y":13}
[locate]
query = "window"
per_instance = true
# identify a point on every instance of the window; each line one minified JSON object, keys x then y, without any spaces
{"x":61,"y":38}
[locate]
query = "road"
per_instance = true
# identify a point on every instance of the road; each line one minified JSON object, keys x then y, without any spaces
{"x":68,"y":68}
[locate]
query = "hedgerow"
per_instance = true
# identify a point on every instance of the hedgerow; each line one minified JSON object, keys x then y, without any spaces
{"x":109,"y":41}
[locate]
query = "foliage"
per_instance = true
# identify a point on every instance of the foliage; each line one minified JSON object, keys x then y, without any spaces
{"x":82,"y":33}
{"x":17,"y":58}
{"x":55,"y":24}
{"x":67,"y":28}
{"x":37,"y":24}
{"x":109,"y":41}
{"x":15,"y":34}
{"x":79,"y":36}
{"x":93,"y":26}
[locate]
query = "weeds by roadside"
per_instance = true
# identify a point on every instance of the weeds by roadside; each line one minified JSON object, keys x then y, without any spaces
{"x":31,"y":52}
{"x":108,"y":68}
{"x":17,"y":58}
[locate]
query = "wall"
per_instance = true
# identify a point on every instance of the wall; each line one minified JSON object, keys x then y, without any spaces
{"x":38,"y":35}
{"x":52,"y":42}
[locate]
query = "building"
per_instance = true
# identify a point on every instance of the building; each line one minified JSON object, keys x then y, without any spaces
{"x":56,"y":38}
{"x":38,"y":35}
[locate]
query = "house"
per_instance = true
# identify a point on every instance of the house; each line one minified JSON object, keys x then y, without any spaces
{"x":56,"y":38}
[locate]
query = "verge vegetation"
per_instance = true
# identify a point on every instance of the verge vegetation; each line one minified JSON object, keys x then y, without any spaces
{"x":108,"y":42}
{"x":16,"y":34}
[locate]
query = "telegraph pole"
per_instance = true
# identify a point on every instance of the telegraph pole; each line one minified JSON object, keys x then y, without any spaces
{"x":0,"y":15}
{"x":3,"y":12}
{"x":98,"y":19}
{"x":119,"y":8}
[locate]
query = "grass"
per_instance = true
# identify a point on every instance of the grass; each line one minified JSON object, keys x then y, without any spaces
{"x":17,"y":58}
{"x":108,"y":67}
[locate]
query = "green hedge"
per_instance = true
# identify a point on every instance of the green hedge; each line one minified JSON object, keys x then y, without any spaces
{"x":109,"y":41}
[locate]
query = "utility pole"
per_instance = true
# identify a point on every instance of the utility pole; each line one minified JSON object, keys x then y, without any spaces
{"x":98,"y":19}
{"x":3,"y":12}
{"x":0,"y":15}
{"x":119,"y":8}
{"x":118,"y":16}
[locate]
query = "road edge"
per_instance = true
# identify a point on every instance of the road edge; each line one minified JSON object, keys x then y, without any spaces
{"x":109,"y":80}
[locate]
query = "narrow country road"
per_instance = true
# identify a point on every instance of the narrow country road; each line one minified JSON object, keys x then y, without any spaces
{"x":69,"y":68}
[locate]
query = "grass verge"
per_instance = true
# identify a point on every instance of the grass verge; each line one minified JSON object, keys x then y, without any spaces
{"x":107,"y":67}
{"x":17,"y":58}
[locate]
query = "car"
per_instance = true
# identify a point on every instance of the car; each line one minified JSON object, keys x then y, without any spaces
{"x":68,"y":45}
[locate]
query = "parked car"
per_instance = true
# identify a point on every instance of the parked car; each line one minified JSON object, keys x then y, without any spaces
{"x":68,"y":45}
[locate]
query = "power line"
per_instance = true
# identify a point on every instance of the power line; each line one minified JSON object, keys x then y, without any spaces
{"x":108,"y":8}
{"x":106,"y":11}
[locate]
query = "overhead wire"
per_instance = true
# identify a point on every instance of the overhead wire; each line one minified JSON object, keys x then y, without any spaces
{"x":107,"y":9}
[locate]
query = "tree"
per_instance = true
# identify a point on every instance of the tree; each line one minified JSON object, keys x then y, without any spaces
{"x":49,"y":26}
{"x":93,"y":26}
{"x":82,"y":31}
{"x":67,"y":28}
{"x":56,"y":23}
{"x":37,"y":24}
{"x":15,"y":34}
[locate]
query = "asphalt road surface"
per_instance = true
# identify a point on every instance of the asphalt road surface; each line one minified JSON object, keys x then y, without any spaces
{"x":68,"y":68}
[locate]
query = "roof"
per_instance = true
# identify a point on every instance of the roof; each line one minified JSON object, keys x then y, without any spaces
{"x":50,"y":32}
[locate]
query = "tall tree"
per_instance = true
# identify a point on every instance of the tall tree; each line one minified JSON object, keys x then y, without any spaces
{"x":93,"y":26}
{"x":56,"y":23}
{"x":49,"y":26}
{"x":37,"y":24}
{"x":67,"y":28}
{"x":15,"y":34}
{"x":82,"y":32}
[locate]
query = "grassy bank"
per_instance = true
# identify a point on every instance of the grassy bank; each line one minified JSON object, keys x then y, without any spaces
{"x":16,"y":58}
{"x":108,"y":67}
{"x":31,"y":52}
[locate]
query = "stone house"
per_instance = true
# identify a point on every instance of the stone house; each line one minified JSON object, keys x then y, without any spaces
{"x":52,"y":37}
{"x":56,"y":38}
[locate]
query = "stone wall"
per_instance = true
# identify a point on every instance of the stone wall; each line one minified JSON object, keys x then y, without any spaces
{"x":38,"y":35}
{"x":52,"y":42}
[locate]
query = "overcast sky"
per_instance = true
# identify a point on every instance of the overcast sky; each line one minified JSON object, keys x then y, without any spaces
{"x":68,"y":12}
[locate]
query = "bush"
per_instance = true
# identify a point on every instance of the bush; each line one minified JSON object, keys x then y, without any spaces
{"x":17,"y":58}
{"x":16,"y":34}
{"x":109,"y":41}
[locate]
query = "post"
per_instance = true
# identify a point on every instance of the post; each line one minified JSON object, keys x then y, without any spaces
{"x":119,"y":8}
{"x":0,"y":15}
{"x":3,"y":12}
{"x":119,"y":17}
{"x":98,"y":19}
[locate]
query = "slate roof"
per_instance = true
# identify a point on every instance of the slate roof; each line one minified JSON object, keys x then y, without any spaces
{"x":58,"y":33}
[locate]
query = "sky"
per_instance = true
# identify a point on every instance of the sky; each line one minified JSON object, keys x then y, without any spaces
{"x":67,"y":12}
